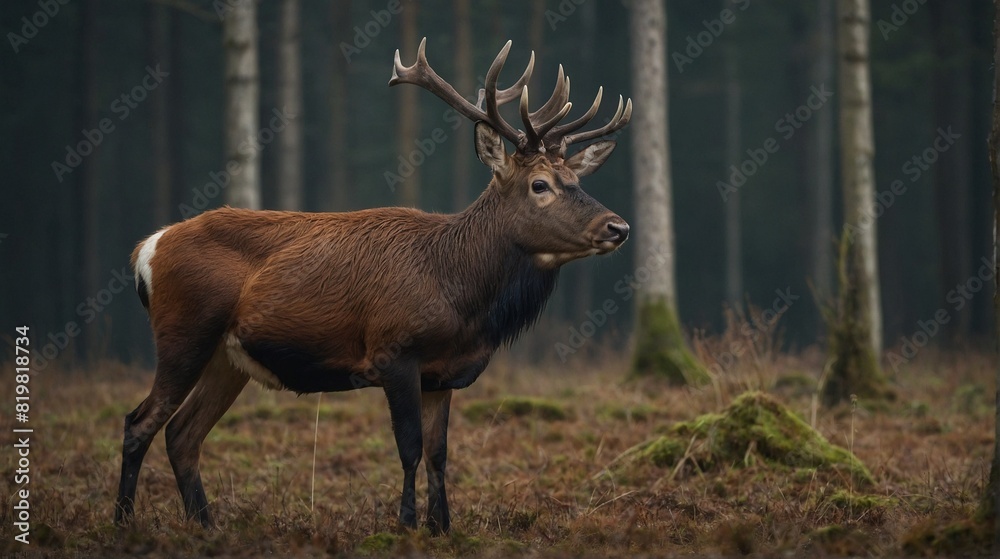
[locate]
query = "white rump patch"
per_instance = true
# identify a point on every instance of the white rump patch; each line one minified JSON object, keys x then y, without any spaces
{"x":144,"y":263}
{"x":242,"y":361}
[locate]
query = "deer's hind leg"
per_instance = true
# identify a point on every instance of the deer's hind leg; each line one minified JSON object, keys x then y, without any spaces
{"x":218,"y":388}
{"x":176,"y":374}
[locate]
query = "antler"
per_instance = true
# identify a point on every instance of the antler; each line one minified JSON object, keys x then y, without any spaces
{"x":421,"y":73}
{"x":542,"y":132}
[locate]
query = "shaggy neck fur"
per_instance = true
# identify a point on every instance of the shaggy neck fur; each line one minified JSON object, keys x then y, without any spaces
{"x":491,"y":280}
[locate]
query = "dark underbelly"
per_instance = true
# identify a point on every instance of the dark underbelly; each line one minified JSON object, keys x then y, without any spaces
{"x":302,"y":372}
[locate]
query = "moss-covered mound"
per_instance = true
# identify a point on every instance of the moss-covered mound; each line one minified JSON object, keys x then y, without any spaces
{"x":661,"y":350}
{"x":754,"y":427}
{"x":514,"y":406}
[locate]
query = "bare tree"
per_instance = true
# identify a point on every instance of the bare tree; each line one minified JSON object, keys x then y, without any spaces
{"x":820,"y":159}
{"x":336,"y":195}
{"x":990,"y":504}
{"x":952,"y":97}
{"x":158,"y":52}
{"x":409,"y":108}
{"x":242,"y":91}
{"x":88,"y":253}
{"x":733,"y":219}
{"x":290,"y":101}
{"x":464,"y":82}
{"x":855,"y":338}
{"x":660,"y":347}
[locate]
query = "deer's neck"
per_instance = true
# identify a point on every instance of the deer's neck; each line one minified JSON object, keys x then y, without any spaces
{"x":492,"y":281}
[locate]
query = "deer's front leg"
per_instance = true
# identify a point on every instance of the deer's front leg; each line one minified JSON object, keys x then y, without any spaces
{"x":402,"y":390}
{"x":434,"y":419}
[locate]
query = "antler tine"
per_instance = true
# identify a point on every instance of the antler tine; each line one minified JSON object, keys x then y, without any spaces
{"x":560,"y":95}
{"x":492,"y":108}
{"x":421,"y":74}
{"x":617,"y":122}
{"x":536,"y":132}
{"x":563,"y":129}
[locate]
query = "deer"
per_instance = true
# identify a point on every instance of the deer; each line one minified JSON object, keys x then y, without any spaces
{"x":413,"y":303}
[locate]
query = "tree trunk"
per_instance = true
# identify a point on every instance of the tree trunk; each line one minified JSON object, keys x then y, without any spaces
{"x":336,"y":194}
{"x":290,"y":103}
{"x":88,"y":253}
{"x":158,"y":53}
{"x":177,"y":117}
{"x":660,"y":348}
{"x":990,"y":504}
{"x":857,"y":144}
{"x":536,"y":31}
{"x":820,"y":158}
{"x":242,"y":85}
{"x":855,"y":334}
{"x":951,"y":23}
{"x":465,"y":83}
{"x":408,"y":193}
{"x":734,"y":250}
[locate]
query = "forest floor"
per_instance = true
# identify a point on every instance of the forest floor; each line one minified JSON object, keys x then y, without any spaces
{"x":551,"y":482}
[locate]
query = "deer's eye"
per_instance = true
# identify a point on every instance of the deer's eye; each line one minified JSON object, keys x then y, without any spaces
{"x":539,"y":187}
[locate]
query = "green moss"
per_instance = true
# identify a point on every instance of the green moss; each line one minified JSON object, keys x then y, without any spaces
{"x":753,"y":426}
{"x":515,"y":406}
{"x":858,"y":502}
{"x":660,"y":348}
{"x":854,"y":368}
{"x":377,"y":543}
{"x":663,"y":451}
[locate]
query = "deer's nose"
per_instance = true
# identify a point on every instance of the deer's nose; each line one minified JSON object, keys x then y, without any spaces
{"x":619,"y":231}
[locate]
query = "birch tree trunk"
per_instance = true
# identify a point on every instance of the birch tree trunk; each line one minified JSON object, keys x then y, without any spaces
{"x":660,"y":348}
{"x":857,"y":142}
{"x":290,"y":103}
{"x":242,"y":85}
{"x":855,"y":337}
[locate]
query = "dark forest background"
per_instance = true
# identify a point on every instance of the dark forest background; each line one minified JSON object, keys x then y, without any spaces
{"x":66,"y":237}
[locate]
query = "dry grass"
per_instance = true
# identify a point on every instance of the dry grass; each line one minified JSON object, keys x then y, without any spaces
{"x":527,"y":485}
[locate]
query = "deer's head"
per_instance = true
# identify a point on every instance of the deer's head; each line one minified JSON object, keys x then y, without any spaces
{"x":546,"y":212}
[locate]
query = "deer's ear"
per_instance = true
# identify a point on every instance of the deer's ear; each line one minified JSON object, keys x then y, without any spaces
{"x":490,"y":148}
{"x":590,"y":158}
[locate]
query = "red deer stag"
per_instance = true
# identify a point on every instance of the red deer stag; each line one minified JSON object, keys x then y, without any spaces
{"x":414,"y":303}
